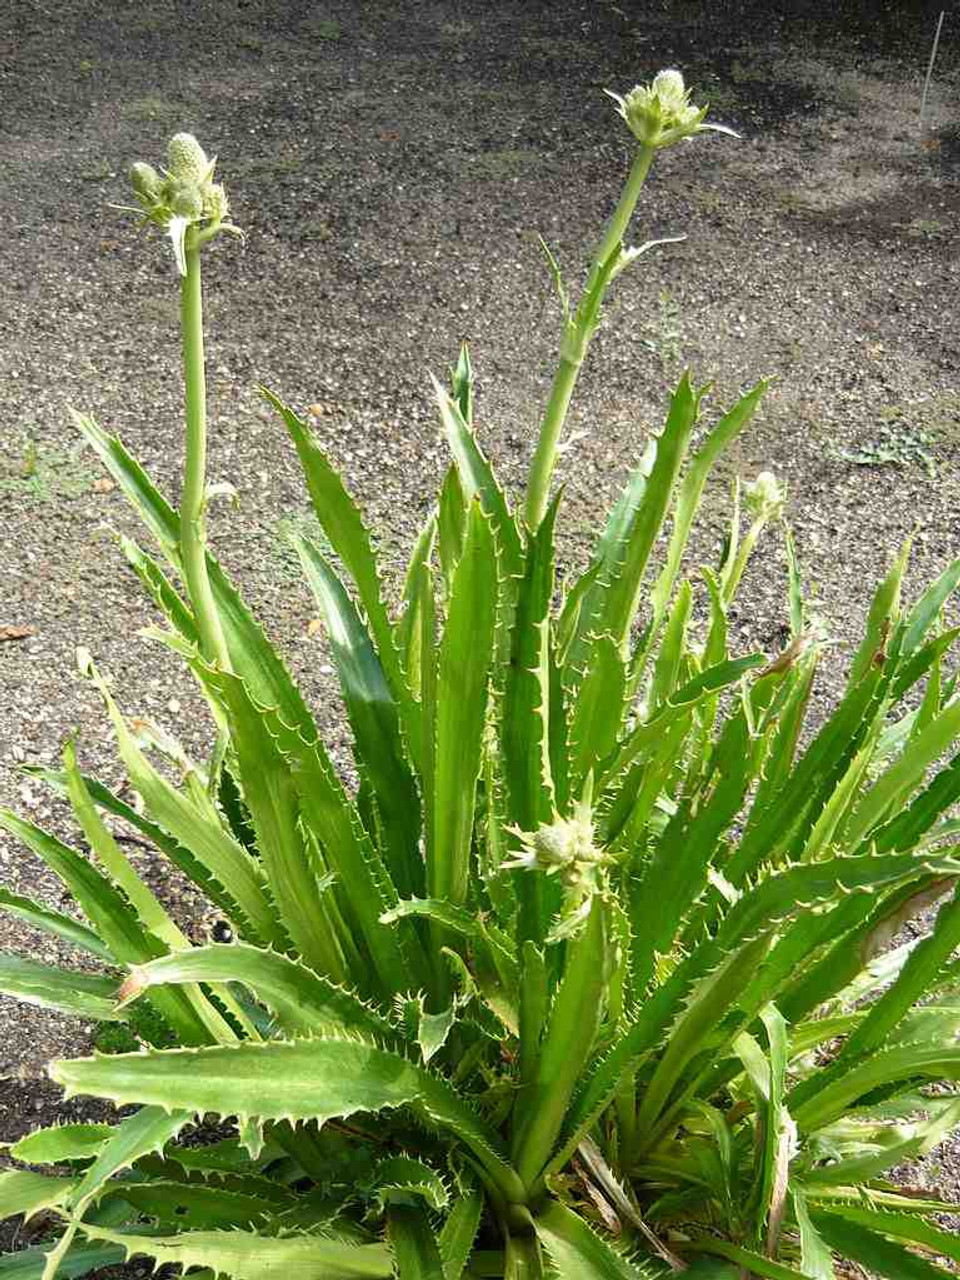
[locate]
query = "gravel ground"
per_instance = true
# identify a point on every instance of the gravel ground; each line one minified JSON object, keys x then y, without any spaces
{"x":392,"y":166}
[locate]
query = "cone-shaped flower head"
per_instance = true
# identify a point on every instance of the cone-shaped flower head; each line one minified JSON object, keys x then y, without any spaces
{"x":765,"y":496}
{"x":184,"y":196}
{"x":565,"y":847}
{"x":661,"y":113}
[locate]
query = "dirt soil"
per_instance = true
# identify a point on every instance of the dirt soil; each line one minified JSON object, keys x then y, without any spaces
{"x":393,"y":166}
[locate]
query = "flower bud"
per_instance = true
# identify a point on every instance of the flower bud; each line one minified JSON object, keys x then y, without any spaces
{"x":661,"y":113}
{"x":184,"y":200}
{"x":187,"y":159}
{"x":765,"y":496}
{"x":215,"y":206}
{"x":146,"y":183}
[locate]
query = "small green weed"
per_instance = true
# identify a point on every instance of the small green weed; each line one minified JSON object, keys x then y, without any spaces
{"x":153,"y":107}
{"x":47,"y":474}
{"x":896,"y":442}
{"x":666,"y":333}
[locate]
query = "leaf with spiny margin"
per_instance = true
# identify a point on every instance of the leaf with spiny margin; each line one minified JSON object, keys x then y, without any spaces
{"x":597,"y":710}
{"x":272,"y":795}
{"x":885,"y":1067}
{"x":27,"y":1193}
{"x":147,"y":1131}
{"x":650,"y":732}
{"x":410,"y":627}
{"x":754,"y":1264}
{"x":54,"y":922}
{"x":620,"y":597}
{"x":304,"y":1002}
{"x":373,"y":714}
{"x":342,"y":523}
{"x":882,"y":618}
{"x":160,"y":589}
{"x":199,"y":829}
{"x":927,"y":609}
{"x":466,"y":652}
{"x":816,"y":1258}
{"x":81,"y":1259}
{"x":251,"y":654}
{"x":668,"y":663}
{"x":774,"y":899}
{"x":410,"y":1176}
{"x":918,"y":1139}
{"x":111,"y":915}
{"x":451,"y":525}
{"x":914,"y":668}
{"x":459,"y":1232}
{"x":574,"y":1249}
{"x":181,"y":857}
{"x":61,"y":1143}
{"x":904,"y":775}
{"x":196,"y":1206}
{"x":691,"y":490}
{"x":246,"y":1255}
{"x":415,"y":1248}
{"x":767,"y":834}
{"x":319,"y":1079}
{"x":83,"y":995}
{"x":858,"y":1243}
{"x":478,"y":481}
{"x":367,"y":888}
{"x":916,"y":979}
{"x":525,"y":713}
{"x":903,"y":1226}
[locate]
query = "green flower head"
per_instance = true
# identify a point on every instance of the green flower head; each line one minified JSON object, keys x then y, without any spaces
{"x":661,"y":113}
{"x":184,"y":195}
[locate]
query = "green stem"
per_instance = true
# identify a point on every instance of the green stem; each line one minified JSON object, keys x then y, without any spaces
{"x":193,"y":550}
{"x":576,"y":338}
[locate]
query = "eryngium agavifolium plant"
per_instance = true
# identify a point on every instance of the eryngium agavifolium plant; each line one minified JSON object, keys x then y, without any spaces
{"x":592,"y":974}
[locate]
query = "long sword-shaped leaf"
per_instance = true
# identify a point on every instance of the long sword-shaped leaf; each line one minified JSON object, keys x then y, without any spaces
{"x":321,"y":1079}
{"x":342,"y":523}
{"x":884,"y":1257}
{"x":903,"y":1226}
{"x":304,"y":1002}
{"x":414,"y":1245}
{"x":111,"y":915}
{"x":247,"y":1255}
{"x":373,"y":714}
{"x":466,"y":651}
{"x":55,"y":922}
{"x":80,"y":1259}
{"x":575,"y":1249}
{"x":84,"y":995}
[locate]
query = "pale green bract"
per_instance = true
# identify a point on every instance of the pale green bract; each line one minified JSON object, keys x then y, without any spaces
{"x":591,"y":975}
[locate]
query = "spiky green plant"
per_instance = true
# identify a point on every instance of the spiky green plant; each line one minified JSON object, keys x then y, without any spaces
{"x":591,"y":975}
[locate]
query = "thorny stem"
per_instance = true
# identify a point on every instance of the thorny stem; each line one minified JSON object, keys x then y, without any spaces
{"x":193,"y":502}
{"x":576,"y":339}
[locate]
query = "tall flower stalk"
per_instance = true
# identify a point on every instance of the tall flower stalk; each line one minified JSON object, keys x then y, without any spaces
{"x":658,"y":115}
{"x":192,"y":209}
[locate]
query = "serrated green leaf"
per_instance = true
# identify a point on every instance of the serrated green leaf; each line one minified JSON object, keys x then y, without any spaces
{"x":927,"y":609}
{"x":304,"y":1002}
{"x":598,"y":709}
{"x":451,"y":525}
{"x":84,"y":995}
{"x":343,"y":525}
{"x":80,"y":1260}
{"x":883,"y":1257}
{"x":816,"y":1260}
{"x":49,"y":921}
{"x":466,"y":651}
{"x":882,"y":618}
{"x":375,"y":721}
{"x":111,"y":915}
{"x":478,"y":481}
{"x":319,"y":1079}
{"x":29,"y":1193}
{"x":415,"y":1247}
{"x":246,"y":1255}
{"x":753,"y":1263}
{"x":576,"y":1250}
{"x":459,"y":1232}
{"x":61,"y":1143}
{"x":903,"y":1226}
